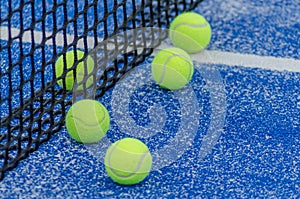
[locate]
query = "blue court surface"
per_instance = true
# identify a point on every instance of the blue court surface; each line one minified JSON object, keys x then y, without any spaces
{"x":233,"y":132}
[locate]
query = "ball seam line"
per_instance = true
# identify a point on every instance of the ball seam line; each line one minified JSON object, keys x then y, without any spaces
{"x":186,"y":24}
{"x":83,"y":122}
{"x":104,"y":113}
{"x":89,"y":124}
{"x":135,"y":171}
{"x":132,"y":173}
{"x":165,"y":67}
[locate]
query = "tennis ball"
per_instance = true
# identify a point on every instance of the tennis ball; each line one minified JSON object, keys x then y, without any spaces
{"x":80,"y":70}
{"x":190,"y":32}
{"x":87,"y":121}
{"x":128,"y":161}
{"x":172,"y":68}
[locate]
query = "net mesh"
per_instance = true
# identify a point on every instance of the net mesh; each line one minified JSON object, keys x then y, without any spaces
{"x":35,"y":33}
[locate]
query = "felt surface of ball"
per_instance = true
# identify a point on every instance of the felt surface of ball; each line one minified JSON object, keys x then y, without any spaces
{"x":87,"y":121}
{"x":172,"y":68}
{"x":128,"y":161}
{"x":83,"y":76}
{"x":190,"y":31}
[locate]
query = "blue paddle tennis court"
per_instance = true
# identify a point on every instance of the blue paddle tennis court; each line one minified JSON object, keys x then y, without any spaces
{"x":232,"y":132}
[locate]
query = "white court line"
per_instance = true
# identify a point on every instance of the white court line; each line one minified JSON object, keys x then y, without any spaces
{"x":248,"y":60}
{"x":245,"y":60}
{"x":206,"y":56}
{"x":38,"y":37}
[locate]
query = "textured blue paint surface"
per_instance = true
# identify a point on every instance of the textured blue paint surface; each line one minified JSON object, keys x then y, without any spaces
{"x":257,"y":153}
{"x":254,"y":27}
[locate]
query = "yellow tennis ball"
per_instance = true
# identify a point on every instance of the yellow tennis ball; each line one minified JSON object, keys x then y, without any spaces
{"x":172,"y":68}
{"x":128,"y":161}
{"x":87,"y":121}
{"x":81,"y":74}
{"x":190,"y":32}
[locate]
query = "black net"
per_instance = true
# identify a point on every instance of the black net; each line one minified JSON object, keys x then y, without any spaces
{"x":35,"y":33}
